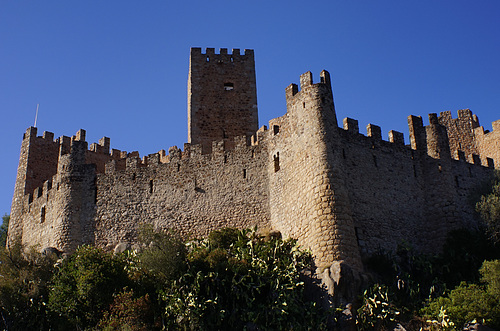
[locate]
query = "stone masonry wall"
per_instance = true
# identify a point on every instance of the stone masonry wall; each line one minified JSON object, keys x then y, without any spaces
{"x":405,"y":195}
{"x":308,"y":200}
{"x":222,"y":96}
{"x":489,"y":144}
{"x":192,"y":193}
{"x":37,"y":163}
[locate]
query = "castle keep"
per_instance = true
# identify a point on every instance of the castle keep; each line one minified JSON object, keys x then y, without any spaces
{"x":340,"y":193}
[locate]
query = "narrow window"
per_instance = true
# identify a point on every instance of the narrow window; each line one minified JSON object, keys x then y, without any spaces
{"x":375,"y":161}
{"x":253,"y":153}
{"x":95,"y":191}
{"x":244,"y":173}
{"x":42,"y":215}
{"x":39,"y":192}
{"x":277,"y":162}
{"x":232,"y":60}
{"x":178,"y":166}
{"x":276,"y":129}
{"x":440,"y":168}
{"x":208,"y":58}
{"x":225,"y":158}
{"x":133,"y":176}
{"x":228,"y":86}
{"x":151,"y":186}
{"x":303,"y":105}
{"x":343,"y":153}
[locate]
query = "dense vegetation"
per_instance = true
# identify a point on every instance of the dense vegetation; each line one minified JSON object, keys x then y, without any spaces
{"x":232,"y":280}
{"x":3,"y":230}
{"x":241,"y":280}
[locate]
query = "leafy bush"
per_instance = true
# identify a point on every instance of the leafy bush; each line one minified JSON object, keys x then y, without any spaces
{"x":84,"y":285}
{"x":3,"y":230}
{"x":129,"y":313}
{"x":377,"y":309}
{"x":469,"y":302}
{"x":488,"y":208}
{"x":24,"y":278}
{"x":164,"y":257}
{"x":414,"y":277}
{"x":238,"y":280}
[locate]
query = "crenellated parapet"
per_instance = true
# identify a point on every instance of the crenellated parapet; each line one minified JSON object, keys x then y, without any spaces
{"x":192,"y":153}
{"x":310,"y":94}
{"x":373,"y":132}
{"x":488,"y":144}
{"x":223,"y":56}
{"x":460,"y":138}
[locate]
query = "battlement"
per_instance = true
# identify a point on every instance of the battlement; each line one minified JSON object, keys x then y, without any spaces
{"x":223,"y":55}
{"x":191,"y":152}
{"x":463,"y":115}
{"x":306,"y":80}
{"x":40,"y":195}
{"x":480,"y":131}
{"x":372,"y":131}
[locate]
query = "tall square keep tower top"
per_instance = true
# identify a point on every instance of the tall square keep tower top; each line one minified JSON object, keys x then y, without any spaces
{"x":222,"y":96}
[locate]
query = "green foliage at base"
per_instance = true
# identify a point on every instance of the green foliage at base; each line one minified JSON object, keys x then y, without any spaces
{"x":84,"y":285}
{"x":238,"y":280}
{"x":24,"y":278}
{"x":468,"y":302}
{"x":488,"y":207}
{"x":130,"y":313}
{"x":377,"y":309}
{"x":3,"y":230}
{"x":413,"y":280}
{"x":164,"y":256}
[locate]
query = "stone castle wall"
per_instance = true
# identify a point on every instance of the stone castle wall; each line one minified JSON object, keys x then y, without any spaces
{"x":192,"y":193}
{"x":340,"y":193}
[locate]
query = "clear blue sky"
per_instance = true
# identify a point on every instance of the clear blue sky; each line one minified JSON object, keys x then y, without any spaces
{"x":119,"y":68}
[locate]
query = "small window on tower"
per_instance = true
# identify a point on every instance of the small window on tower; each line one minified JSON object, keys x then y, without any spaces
{"x":228,"y":86}
{"x":42,"y":215}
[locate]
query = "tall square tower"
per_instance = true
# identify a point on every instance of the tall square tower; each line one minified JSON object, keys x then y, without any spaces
{"x":222,"y":96}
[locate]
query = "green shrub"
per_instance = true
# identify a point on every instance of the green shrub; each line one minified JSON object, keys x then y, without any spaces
{"x":488,"y":207}
{"x":84,"y":285}
{"x":490,"y":274}
{"x":164,"y":257}
{"x":24,"y":279}
{"x":237,"y":280}
{"x":128,"y":312}
{"x":377,"y":309}
{"x":468,"y":302}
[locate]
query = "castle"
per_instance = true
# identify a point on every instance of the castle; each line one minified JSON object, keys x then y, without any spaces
{"x":340,"y":193}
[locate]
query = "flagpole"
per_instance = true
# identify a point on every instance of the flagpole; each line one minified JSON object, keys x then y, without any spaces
{"x":36,"y":114}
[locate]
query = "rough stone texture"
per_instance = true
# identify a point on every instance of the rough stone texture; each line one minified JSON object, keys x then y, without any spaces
{"x":222,"y":96}
{"x":343,"y":195}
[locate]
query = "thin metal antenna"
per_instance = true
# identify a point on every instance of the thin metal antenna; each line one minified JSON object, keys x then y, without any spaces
{"x":36,"y":114}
